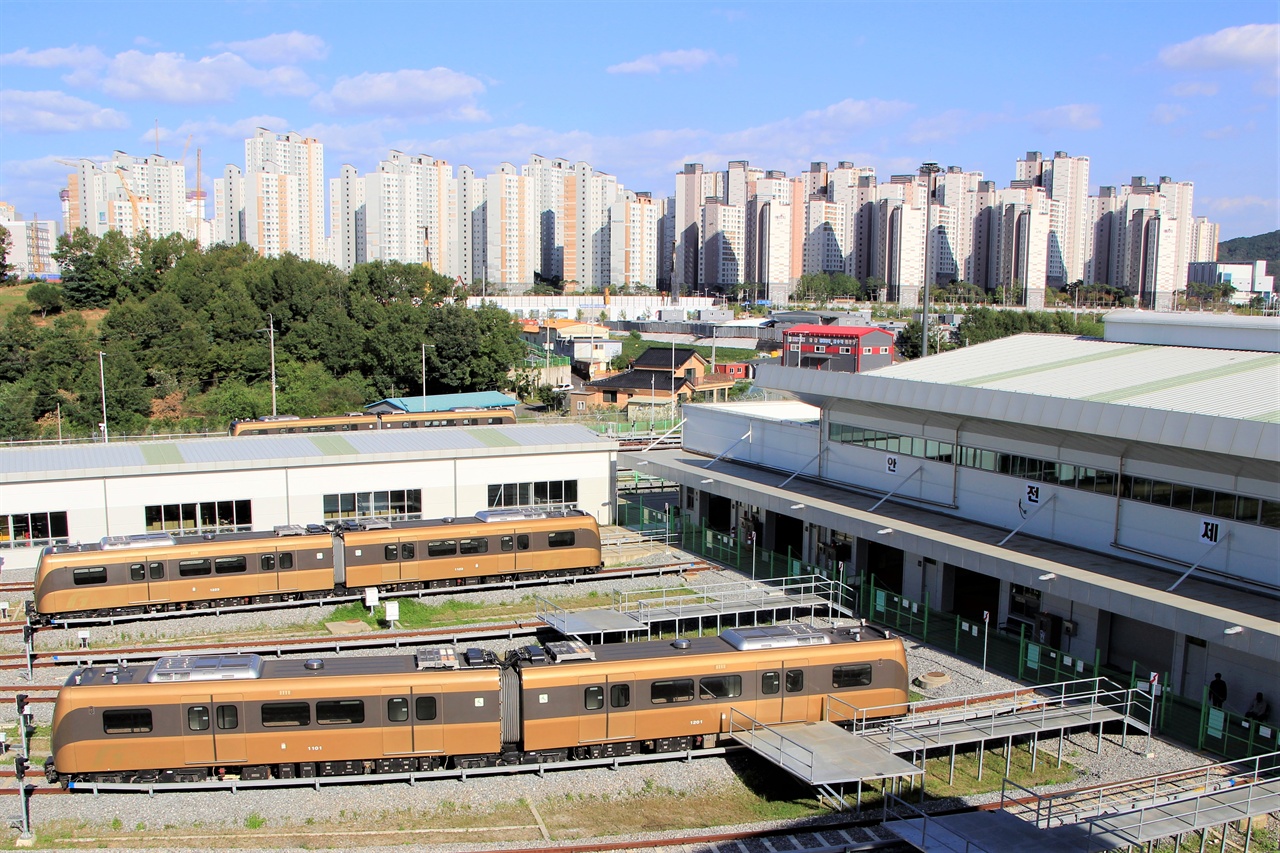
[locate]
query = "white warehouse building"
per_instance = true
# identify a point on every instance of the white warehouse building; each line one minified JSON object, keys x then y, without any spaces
{"x":86,"y":492}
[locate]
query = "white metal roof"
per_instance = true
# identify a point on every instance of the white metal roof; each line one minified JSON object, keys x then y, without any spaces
{"x":1224,"y":401}
{"x":58,"y":462}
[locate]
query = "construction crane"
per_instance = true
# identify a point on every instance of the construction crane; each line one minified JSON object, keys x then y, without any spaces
{"x":426,"y":247}
{"x":133,"y":199}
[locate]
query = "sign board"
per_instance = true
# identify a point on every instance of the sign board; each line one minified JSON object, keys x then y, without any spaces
{"x":371,"y":597}
{"x":891,"y":464}
{"x":393,"y":611}
{"x":1210,"y":530}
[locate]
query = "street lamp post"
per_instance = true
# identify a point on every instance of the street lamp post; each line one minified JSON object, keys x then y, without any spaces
{"x":928,"y":170}
{"x":102,"y":384}
{"x":424,"y":370}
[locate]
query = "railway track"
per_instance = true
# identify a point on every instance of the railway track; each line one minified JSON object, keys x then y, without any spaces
{"x":657,"y":570}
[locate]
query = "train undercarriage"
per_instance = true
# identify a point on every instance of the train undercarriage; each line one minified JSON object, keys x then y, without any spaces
{"x":377,"y":766}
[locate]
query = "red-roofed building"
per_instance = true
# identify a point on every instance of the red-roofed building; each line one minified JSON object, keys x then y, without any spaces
{"x":847,"y":349}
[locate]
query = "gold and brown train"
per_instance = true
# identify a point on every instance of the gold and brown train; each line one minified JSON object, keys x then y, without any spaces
{"x":123,"y":576}
{"x":242,"y":717}
{"x":294,"y":425}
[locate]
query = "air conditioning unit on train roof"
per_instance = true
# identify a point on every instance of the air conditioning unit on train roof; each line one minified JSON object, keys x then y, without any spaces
{"x":774,"y":637}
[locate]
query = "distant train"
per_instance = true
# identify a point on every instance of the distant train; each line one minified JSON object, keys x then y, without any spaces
{"x":293,"y":425}
{"x":188,"y":719}
{"x":130,"y":575}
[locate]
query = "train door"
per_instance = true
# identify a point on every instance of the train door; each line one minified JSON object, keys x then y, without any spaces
{"x":229,"y":727}
{"x":428,"y":719}
{"x":268,"y":573}
{"x":505,"y":560}
{"x":524,"y":552}
{"x":795,"y":702}
{"x":397,"y":723}
{"x":139,"y":590}
{"x":593,"y":719}
{"x":622,"y":709}
{"x":286,"y":572}
{"x":197,"y":730}
{"x":769,"y":698}
{"x":391,"y":562}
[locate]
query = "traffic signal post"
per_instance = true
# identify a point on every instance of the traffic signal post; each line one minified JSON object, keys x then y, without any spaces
{"x":21,"y":766}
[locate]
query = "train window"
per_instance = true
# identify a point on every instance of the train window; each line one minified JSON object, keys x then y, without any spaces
{"x":285,"y":714}
{"x":424,"y":708}
{"x":89,"y":575}
{"x":198,"y":718}
{"x":593,"y":698}
{"x":336,"y":712}
{"x":137,"y":572}
{"x":286,"y":560}
{"x":442,"y":548}
{"x":474,"y":546}
{"x":267,"y":562}
{"x":229,"y":565}
{"x":770,"y":683}
{"x":228,"y":717}
{"x":620,"y":695}
{"x":390,"y":552}
{"x":157,"y":571}
{"x":507,"y":543}
{"x":522,"y":541}
{"x":720,"y":687}
{"x":397,"y":710}
{"x":678,"y":690}
{"x":127,"y":721}
{"x":852,"y":675}
{"x":192,"y":568}
{"x":561,"y":539}
{"x":408,"y":550}
{"x":795,"y":680}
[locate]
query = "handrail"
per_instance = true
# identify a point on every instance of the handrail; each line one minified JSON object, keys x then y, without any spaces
{"x":782,"y":753}
{"x":925,"y":819}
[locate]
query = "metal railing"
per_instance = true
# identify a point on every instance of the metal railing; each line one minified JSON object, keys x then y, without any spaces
{"x":1069,"y":807}
{"x":893,"y":800}
{"x":772,"y":744}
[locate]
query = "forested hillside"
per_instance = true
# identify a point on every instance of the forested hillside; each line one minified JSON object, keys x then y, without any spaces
{"x":185,"y":346}
{"x":1262,"y":247}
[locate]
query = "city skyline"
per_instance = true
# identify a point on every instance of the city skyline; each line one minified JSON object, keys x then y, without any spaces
{"x":722,"y":83}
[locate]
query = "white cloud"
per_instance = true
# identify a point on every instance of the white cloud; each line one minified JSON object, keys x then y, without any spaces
{"x":818,"y":130}
{"x":670,"y":60}
{"x":54,"y":112}
{"x":56,"y":57}
{"x":281,"y":48}
{"x":172,"y":78}
{"x":1251,"y":45}
{"x":439,"y":93}
{"x":1066,"y":117}
{"x":1192,"y":88}
{"x":1230,"y":204}
{"x":1168,"y":113}
{"x":950,"y":125}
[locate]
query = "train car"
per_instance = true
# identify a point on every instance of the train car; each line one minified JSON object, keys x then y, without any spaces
{"x":354,"y":421}
{"x":189,"y":719}
{"x":192,"y":719}
{"x":127,"y":575}
{"x":122,"y":576}
{"x":493,"y":545}
{"x":628,"y":698}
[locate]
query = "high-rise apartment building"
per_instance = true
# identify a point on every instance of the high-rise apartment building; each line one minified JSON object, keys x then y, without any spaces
{"x":512,"y":229}
{"x":470,"y":226}
{"x":1066,"y":181}
{"x":130,"y":195}
{"x":283,"y":193}
{"x":31,"y":244}
{"x":633,"y":235}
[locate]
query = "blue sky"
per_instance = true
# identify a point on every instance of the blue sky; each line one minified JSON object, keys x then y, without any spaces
{"x":1184,"y":89}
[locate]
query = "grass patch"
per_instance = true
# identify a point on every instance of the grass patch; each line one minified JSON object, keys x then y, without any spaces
{"x":966,"y":780}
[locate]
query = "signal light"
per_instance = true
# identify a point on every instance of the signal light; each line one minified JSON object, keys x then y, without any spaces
{"x":20,"y":766}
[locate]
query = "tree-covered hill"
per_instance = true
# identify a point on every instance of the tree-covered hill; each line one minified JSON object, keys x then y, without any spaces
{"x":185,"y":346}
{"x":1262,"y":247}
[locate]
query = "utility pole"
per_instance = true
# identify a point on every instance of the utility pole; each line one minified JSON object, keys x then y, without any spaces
{"x":271,"y":336}
{"x":928,"y":170}
{"x":102,"y":385}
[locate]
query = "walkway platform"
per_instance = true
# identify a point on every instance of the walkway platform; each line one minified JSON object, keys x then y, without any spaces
{"x":724,"y":603}
{"x":996,"y":832}
{"x":818,"y":753}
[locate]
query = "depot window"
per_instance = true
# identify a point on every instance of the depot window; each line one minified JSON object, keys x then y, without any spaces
{"x":548,"y":493}
{"x":33,"y":529}
{"x":394,"y":505}
{"x":204,"y":517}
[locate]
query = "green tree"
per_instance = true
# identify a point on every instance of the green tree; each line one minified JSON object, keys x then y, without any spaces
{"x":46,"y":296}
{"x":93,"y":268}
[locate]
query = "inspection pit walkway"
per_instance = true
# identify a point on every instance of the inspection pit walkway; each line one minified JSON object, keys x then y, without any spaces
{"x":725,"y":603}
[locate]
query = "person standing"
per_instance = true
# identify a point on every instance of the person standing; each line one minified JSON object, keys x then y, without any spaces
{"x":1217,"y":690}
